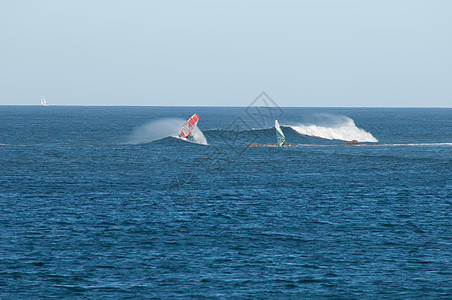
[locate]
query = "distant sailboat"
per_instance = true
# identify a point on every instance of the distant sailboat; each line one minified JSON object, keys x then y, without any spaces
{"x":280,"y":137}
{"x":44,"y":102}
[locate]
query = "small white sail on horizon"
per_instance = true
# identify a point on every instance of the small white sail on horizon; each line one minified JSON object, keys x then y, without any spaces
{"x":44,"y":102}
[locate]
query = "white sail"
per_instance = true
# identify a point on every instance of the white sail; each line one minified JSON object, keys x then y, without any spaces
{"x":44,"y":102}
{"x":280,"y":137}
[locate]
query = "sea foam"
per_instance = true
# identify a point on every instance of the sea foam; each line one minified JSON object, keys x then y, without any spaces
{"x":333,"y":127}
{"x":162,"y":128}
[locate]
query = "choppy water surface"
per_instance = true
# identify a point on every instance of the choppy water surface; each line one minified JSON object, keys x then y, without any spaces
{"x":104,"y":202}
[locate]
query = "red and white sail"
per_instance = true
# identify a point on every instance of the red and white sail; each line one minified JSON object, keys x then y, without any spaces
{"x":189,"y":126}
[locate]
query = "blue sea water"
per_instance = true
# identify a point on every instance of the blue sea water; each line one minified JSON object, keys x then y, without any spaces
{"x":101,"y":202}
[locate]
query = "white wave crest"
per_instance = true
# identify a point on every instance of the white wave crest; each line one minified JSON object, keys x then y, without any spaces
{"x":195,"y":137}
{"x":159,"y":129}
{"x":339,"y":128}
{"x":417,"y":144}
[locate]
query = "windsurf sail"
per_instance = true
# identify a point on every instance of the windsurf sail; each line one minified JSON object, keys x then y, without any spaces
{"x":189,"y":126}
{"x":280,"y":137}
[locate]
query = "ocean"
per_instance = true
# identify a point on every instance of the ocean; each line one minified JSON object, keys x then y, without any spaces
{"x":105,"y":202}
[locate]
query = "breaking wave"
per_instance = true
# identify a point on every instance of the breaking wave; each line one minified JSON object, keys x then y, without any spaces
{"x":163,"y":128}
{"x":195,"y":137}
{"x":333,"y":127}
{"x":417,"y":144}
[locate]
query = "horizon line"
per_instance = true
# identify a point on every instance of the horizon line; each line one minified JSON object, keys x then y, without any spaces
{"x":224,"y":106}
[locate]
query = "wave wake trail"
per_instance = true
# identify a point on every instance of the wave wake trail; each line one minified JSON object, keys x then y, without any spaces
{"x":333,"y":127}
{"x":163,"y":128}
{"x":417,"y":144}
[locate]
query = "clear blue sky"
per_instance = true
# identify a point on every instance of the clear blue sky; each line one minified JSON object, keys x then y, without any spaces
{"x":302,"y":53}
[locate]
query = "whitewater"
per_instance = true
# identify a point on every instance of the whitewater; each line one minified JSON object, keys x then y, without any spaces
{"x":325,"y":126}
{"x":163,"y":128}
{"x":337,"y":128}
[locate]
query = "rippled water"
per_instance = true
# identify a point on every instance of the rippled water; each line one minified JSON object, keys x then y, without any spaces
{"x":94,"y":203}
